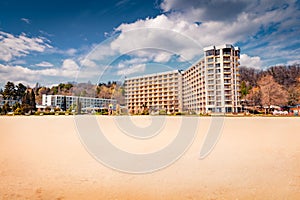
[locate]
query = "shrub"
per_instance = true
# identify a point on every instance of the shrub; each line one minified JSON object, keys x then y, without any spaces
{"x":162,"y":112}
{"x":47,"y":109}
{"x":145,"y":112}
{"x":18,"y":111}
{"x":178,"y":113}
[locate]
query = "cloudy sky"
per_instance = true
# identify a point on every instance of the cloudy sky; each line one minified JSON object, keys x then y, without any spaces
{"x":51,"y":42}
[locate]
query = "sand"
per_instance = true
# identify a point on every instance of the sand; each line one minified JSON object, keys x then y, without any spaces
{"x":42,"y":157}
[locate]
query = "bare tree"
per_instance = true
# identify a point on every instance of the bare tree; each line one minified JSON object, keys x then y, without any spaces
{"x":272,"y":93}
{"x":254,"y":96}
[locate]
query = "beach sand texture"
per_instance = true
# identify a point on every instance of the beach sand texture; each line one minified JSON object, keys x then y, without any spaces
{"x":255,"y":158}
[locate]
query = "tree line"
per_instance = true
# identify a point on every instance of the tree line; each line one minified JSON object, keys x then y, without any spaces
{"x":27,"y":98}
{"x":22,"y":98}
{"x":276,"y":85}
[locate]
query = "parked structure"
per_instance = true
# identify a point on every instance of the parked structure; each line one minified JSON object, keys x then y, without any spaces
{"x":211,"y":85}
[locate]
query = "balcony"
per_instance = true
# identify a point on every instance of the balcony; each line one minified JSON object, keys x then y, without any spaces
{"x":226,"y":53}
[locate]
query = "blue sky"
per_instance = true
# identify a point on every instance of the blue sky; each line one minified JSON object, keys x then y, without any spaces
{"x":52,"y":41}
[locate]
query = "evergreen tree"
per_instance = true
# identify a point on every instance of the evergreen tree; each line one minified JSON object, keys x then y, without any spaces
{"x":6,"y":108}
{"x":28,"y":102}
{"x":16,"y":106}
{"x":9,"y":91}
{"x":32,"y":101}
{"x":20,"y":91}
{"x":245,"y":89}
{"x":26,"y":98}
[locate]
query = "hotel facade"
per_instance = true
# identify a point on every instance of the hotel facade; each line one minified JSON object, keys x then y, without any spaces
{"x":211,"y":85}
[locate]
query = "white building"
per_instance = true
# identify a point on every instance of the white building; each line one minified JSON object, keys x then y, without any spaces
{"x":9,"y":101}
{"x":211,"y":85}
{"x":222,"y":86}
{"x":86,"y":102}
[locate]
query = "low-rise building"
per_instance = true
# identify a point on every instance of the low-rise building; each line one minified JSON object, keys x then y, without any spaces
{"x":85,"y":102}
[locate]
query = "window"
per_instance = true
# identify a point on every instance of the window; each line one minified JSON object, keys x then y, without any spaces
{"x":227,"y":51}
{"x":210,"y":71}
{"x":210,"y":60}
{"x":210,"y":52}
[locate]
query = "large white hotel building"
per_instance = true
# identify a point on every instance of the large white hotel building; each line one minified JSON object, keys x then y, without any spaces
{"x":210,"y":85}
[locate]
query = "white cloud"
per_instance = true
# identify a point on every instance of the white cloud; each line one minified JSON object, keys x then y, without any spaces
{"x":44,"y":64}
{"x":18,"y":62}
{"x":176,"y":33}
{"x":71,"y":69}
{"x":132,"y":69}
{"x":248,"y":61}
{"x":158,"y":39}
{"x":131,"y":66}
{"x":67,"y":52}
{"x":69,"y":65}
{"x":71,"y":52}
{"x":17,"y":46}
{"x":88,"y":63}
{"x":133,"y":61}
{"x":215,"y":10}
{"x":27,"y":21}
{"x":102,"y":51}
{"x":17,"y":74}
{"x":293,"y":62}
{"x":68,"y":70}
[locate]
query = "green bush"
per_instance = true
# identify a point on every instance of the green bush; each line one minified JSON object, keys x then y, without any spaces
{"x":101,"y":113}
{"x":179,"y":113}
{"x":145,"y":112}
{"x":49,"y":113}
{"x":162,"y":112}
{"x":37,"y":113}
{"x":18,"y":111}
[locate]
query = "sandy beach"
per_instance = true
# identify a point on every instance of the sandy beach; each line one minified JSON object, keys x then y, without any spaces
{"x":42,"y":157}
